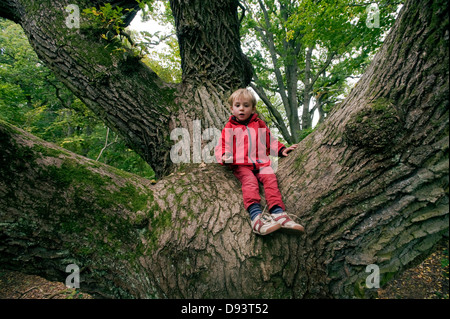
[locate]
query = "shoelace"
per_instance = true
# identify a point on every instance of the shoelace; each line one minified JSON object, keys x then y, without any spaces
{"x":294,"y":218}
{"x":266,"y":219}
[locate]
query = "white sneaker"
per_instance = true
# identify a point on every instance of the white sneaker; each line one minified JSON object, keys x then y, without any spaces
{"x":287,"y":223}
{"x":264,"y":225}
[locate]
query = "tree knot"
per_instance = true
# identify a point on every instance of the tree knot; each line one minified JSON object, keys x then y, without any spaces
{"x":375,"y":128}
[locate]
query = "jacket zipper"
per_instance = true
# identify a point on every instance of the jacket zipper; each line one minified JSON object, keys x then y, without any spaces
{"x":250,"y":147}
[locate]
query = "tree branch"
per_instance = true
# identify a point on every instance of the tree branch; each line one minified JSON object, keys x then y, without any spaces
{"x":277,"y":116}
{"x":243,"y":12}
{"x":273,"y":54}
{"x":106,"y":144}
{"x":118,"y":87}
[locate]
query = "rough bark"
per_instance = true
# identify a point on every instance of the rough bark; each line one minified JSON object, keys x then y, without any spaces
{"x":208,"y":36}
{"x":381,"y":159}
{"x":370,"y":186}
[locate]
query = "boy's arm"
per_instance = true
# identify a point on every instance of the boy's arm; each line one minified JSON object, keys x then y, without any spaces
{"x":286,"y":151}
{"x":273,"y":145}
{"x":223,"y":147}
{"x":281,"y":150}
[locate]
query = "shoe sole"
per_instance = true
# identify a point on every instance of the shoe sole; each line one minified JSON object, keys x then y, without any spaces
{"x":270,"y":230}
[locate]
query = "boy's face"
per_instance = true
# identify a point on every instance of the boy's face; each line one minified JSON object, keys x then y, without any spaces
{"x":242,"y":108}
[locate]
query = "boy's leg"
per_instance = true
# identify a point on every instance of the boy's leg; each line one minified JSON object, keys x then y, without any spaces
{"x":267,"y":177}
{"x":275,"y":202}
{"x":250,"y":187}
{"x":250,"y":194}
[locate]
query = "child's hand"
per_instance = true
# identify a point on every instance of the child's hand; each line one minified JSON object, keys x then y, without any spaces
{"x":227,"y":158}
{"x":289,"y":149}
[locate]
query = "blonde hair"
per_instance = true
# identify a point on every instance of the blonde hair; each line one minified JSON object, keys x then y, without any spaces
{"x":246,"y":93}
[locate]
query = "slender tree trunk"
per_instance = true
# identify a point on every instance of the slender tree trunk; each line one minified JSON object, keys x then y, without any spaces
{"x":278,"y":118}
{"x":292,"y":79}
{"x":306,"y":116}
{"x":292,"y":49}
{"x":287,"y":87}
{"x":370,"y":186}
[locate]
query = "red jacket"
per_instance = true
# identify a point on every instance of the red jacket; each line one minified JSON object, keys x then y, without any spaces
{"x":250,"y":143}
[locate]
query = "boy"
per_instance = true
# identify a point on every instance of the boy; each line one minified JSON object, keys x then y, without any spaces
{"x":245,"y":143}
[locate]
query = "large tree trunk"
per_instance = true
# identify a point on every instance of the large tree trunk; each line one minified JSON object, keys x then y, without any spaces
{"x":370,"y":185}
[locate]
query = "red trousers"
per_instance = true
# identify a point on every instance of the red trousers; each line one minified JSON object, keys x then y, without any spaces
{"x":250,"y":188}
